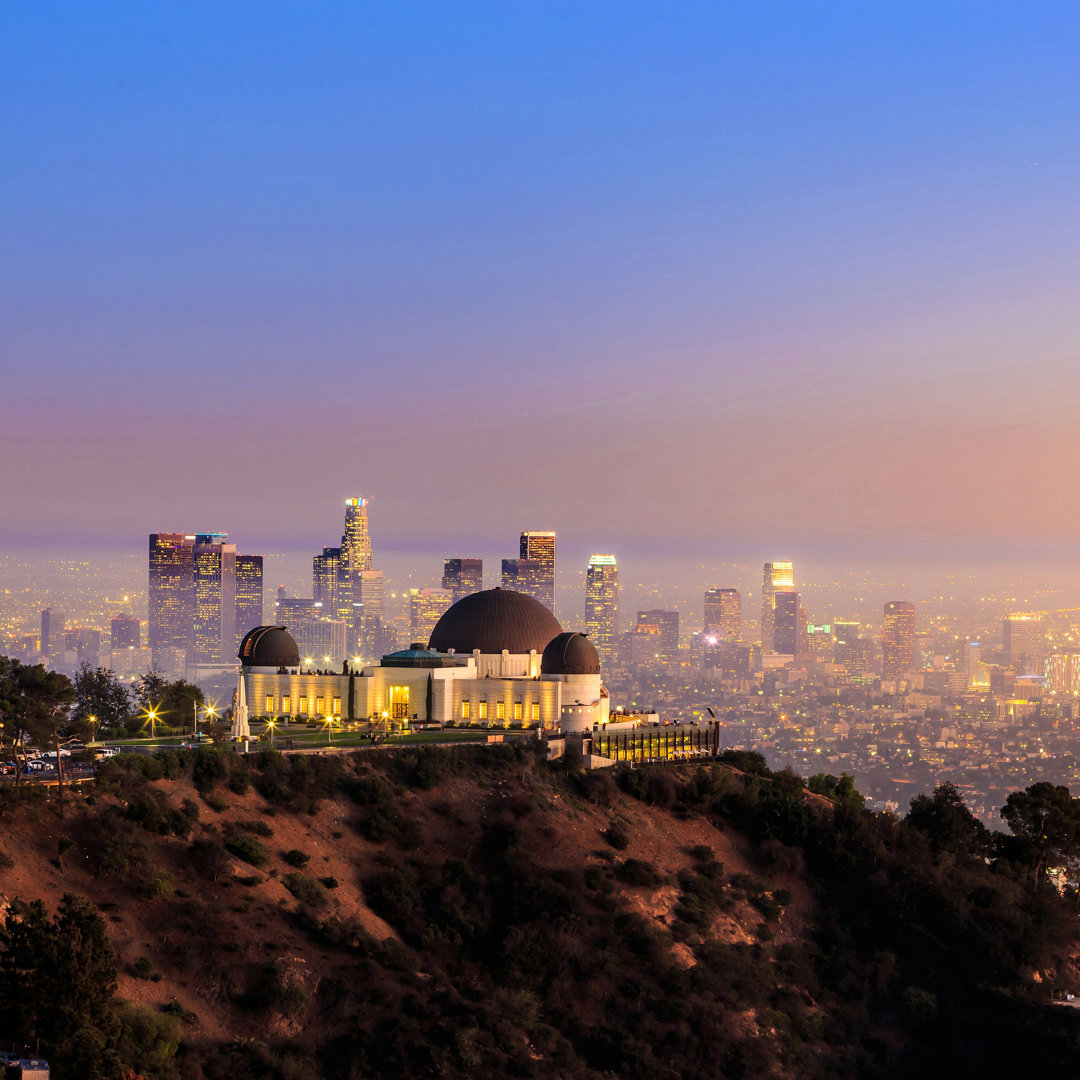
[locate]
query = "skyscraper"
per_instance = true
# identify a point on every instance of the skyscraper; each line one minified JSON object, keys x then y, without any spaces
{"x":723,"y":614}
{"x":52,"y":632}
{"x":249,"y":594}
{"x":125,"y":632}
{"x":463,"y":576}
{"x":1025,"y":643}
{"x":356,"y":543}
{"x":539,"y":547}
{"x":777,"y":577}
{"x":602,"y":604}
{"x":426,"y":607}
{"x":786,"y":615}
{"x":369,"y":620}
{"x":522,"y":575}
{"x":665,"y":626}
{"x":214,"y":581}
{"x":898,"y":639}
{"x":171,"y":605}
{"x":329,"y":583}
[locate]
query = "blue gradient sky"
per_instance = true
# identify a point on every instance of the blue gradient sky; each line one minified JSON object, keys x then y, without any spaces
{"x":742,"y":277}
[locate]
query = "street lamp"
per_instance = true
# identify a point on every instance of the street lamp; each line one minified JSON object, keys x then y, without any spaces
{"x":93,"y":724}
{"x":328,"y":722}
{"x":271,"y":723}
{"x":151,"y":715}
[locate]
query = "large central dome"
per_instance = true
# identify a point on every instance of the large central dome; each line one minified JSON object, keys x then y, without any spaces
{"x":493,"y":620}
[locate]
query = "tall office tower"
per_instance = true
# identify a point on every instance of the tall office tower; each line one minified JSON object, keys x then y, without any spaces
{"x":356,"y":543}
{"x":602,"y":605}
{"x":540,"y":547}
{"x":291,"y":608}
{"x":1025,"y":643}
{"x":521,"y":575}
{"x":776,"y":577}
{"x":215,"y":598}
{"x":463,"y":576}
{"x":52,"y":632}
{"x":125,"y":632}
{"x":723,"y":614}
{"x":249,"y":594}
{"x":846,"y":633}
{"x":898,"y":639}
{"x":786,"y":614}
{"x":369,"y":616}
{"x":426,"y":607}
{"x":172,"y":598}
{"x":663,"y":624}
{"x":1063,"y":673}
{"x":321,"y":642}
{"x":328,"y":582}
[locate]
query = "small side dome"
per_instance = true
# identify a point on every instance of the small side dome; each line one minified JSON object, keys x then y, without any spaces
{"x":570,"y":654}
{"x":269,"y":646}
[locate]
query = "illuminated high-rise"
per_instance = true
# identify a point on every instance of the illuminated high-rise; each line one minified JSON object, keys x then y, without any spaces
{"x":369,"y":620}
{"x":898,"y":639}
{"x":171,"y":601}
{"x":426,"y":607}
{"x":214,"y":582}
{"x":1024,"y":641}
{"x":330,"y":584}
{"x":776,"y":577}
{"x":356,"y":543}
{"x":661,"y":630}
{"x":52,"y":632}
{"x":521,"y":575}
{"x":125,"y":632}
{"x":786,"y":618}
{"x":723,"y":614}
{"x":249,"y":594}
{"x":539,"y":547}
{"x":602,"y":604}
{"x":463,"y":576}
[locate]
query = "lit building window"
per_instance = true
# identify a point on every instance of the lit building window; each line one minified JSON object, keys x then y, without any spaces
{"x":319,"y":702}
{"x":286,"y":704}
{"x":483,"y":710}
{"x":517,"y":710}
{"x":303,"y":705}
{"x":337,"y":706}
{"x":536,"y":711}
{"x":269,"y":704}
{"x":500,"y":710}
{"x":465,"y":710}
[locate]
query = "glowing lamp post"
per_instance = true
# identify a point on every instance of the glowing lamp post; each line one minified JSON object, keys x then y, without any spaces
{"x":271,"y":723}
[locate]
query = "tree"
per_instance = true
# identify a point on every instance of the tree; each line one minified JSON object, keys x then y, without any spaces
{"x":150,"y":689}
{"x":1045,"y":819}
{"x":57,"y":980}
{"x":948,"y":823}
{"x":178,"y":703}
{"x":100,"y":694}
{"x":841,"y":788}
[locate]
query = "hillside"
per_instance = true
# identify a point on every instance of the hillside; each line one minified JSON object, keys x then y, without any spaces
{"x":479,"y":912}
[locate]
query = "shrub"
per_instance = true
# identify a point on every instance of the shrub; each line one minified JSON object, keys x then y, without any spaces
{"x":142,"y":968}
{"x":240,"y":781}
{"x":306,"y":889}
{"x":638,"y":872}
{"x":216,"y":803}
{"x":295,"y":857}
{"x":329,"y":882}
{"x":210,"y":858}
{"x":617,"y":836}
{"x":245,"y":846}
{"x":209,"y":767}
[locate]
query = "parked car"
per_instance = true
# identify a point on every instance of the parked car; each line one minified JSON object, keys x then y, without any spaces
{"x":107,"y":752}
{"x":38,"y":765}
{"x":7,"y":768}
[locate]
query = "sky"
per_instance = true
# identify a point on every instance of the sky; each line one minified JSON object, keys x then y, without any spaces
{"x":742,"y":279}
